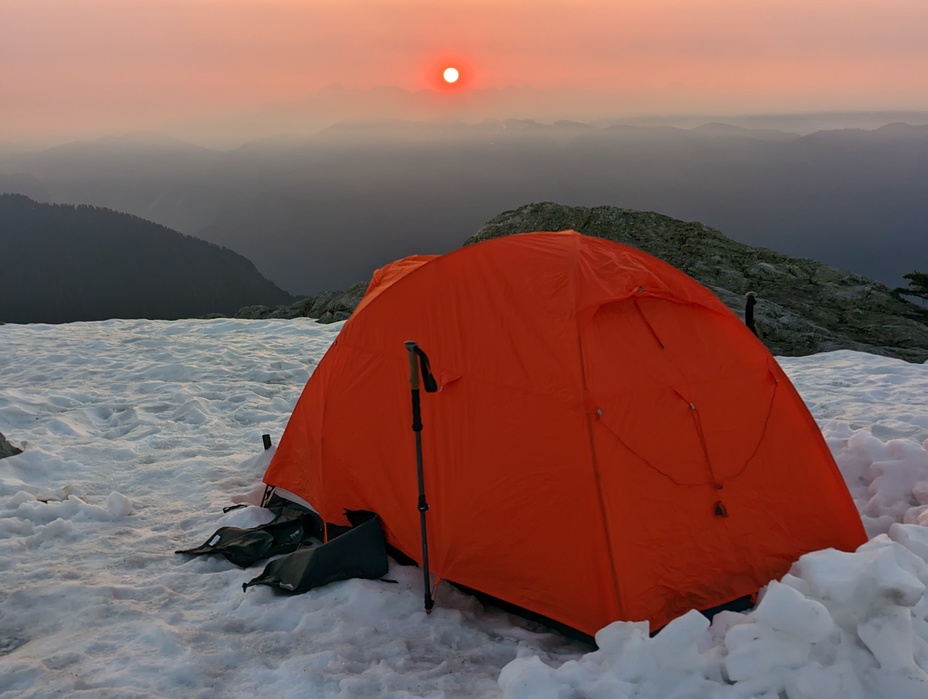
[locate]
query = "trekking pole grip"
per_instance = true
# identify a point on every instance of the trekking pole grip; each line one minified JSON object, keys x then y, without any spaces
{"x":413,"y":365}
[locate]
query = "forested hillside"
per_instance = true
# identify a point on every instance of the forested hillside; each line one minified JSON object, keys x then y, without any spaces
{"x":65,"y":263}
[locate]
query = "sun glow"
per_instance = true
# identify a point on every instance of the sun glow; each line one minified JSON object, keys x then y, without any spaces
{"x":451,"y":75}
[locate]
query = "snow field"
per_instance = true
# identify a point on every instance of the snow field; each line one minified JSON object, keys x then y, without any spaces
{"x":138,"y":433}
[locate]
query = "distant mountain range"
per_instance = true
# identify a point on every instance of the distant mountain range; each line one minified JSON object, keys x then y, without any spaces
{"x":318,"y":213}
{"x":63,"y":263}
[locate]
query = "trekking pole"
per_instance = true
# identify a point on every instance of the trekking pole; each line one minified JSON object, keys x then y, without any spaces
{"x":423,"y":506}
{"x":750,"y":302}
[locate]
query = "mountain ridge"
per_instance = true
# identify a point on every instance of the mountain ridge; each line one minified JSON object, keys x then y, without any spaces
{"x":67,"y":263}
{"x":319,"y":213}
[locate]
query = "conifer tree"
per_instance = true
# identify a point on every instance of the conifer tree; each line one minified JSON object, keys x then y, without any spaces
{"x":918,"y":285}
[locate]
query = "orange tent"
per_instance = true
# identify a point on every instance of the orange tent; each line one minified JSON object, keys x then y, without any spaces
{"x":608,"y":440}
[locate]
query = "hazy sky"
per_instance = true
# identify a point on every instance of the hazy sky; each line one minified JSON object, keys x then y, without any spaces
{"x":87,"y":67}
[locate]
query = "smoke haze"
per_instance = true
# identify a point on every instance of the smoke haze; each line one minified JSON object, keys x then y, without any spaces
{"x":321,"y":213}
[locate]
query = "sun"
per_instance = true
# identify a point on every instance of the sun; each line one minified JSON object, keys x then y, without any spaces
{"x":448,"y":74}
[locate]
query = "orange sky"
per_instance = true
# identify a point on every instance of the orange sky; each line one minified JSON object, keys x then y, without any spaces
{"x":88,"y":67}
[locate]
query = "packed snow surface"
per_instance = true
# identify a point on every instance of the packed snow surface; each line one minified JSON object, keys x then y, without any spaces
{"x":136,"y":434}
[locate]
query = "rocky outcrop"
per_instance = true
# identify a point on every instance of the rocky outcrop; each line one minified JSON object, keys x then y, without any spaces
{"x":327,"y":307}
{"x":803,"y":306}
{"x":7,"y":449}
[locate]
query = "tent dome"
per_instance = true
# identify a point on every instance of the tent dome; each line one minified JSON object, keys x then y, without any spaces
{"x":608,"y":441}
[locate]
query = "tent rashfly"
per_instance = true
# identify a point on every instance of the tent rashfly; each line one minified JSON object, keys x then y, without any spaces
{"x":608,"y":441}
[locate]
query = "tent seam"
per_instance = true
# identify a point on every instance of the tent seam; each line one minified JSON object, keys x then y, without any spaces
{"x":590,"y":435}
